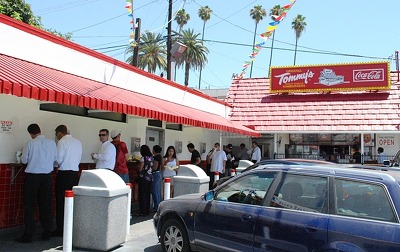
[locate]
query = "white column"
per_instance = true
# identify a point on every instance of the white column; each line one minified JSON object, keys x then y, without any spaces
{"x":167,"y":188}
{"x":68,"y":220}
{"x":128,"y":217}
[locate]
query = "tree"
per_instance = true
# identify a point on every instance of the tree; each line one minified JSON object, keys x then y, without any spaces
{"x":298,"y":25}
{"x":21,"y":11}
{"x":152,"y":52}
{"x":195,"y":55}
{"x":274,"y":12}
{"x":257,"y":14}
{"x":182,"y":18}
{"x":205,"y":15}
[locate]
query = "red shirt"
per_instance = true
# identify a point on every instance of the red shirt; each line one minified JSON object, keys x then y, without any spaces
{"x":120,"y":161}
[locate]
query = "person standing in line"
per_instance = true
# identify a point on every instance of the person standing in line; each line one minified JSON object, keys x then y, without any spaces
{"x":195,"y":158}
{"x":255,"y":154}
{"x":69,"y":154}
{"x":218,"y":162}
{"x":242,"y":154}
{"x":170,"y":166}
{"x":381,"y":155}
{"x":40,"y":154}
{"x":121,"y":168}
{"x":229,"y":159}
{"x":357,"y":154}
{"x":105,"y":158}
{"x":157,"y":176}
{"x":145,"y":180}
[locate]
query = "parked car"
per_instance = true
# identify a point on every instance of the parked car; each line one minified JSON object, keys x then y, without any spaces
{"x":280,"y":162}
{"x":290,"y":208}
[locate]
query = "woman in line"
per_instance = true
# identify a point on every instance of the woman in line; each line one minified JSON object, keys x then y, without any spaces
{"x":145,"y":180}
{"x":170,"y":166}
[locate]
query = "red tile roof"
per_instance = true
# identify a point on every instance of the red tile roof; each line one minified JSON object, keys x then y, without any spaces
{"x":254,"y":106}
{"x":26,"y":79}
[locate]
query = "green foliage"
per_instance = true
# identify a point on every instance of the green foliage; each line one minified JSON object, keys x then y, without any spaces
{"x":21,"y":11}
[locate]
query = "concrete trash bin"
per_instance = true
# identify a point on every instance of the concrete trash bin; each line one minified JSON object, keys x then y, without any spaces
{"x":100,"y":210}
{"x":190,"y":179}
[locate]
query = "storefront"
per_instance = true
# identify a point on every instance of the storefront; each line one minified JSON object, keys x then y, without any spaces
{"x":51,"y":81}
{"x":322,"y":111}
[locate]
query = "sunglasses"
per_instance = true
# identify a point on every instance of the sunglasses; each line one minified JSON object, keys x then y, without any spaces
{"x":100,"y":135}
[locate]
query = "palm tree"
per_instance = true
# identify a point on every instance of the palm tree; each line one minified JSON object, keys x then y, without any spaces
{"x":152,"y":52}
{"x":257,"y":13}
{"x":195,"y":55}
{"x":205,"y":15}
{"x":298,"y":25}
{"x":182,"y":18}
{"x":273,"y":13}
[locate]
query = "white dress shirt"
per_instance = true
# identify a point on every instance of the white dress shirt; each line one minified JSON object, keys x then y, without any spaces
{"x":256,"y":154}
{"x":105,"y":159}
{"x":69,"y":153}
{"x":40,"y":154}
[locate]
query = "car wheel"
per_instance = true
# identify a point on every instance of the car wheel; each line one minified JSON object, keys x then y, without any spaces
{"x":174,"y":237}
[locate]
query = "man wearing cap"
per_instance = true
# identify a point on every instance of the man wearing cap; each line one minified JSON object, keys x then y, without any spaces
{"x":229,"y":159}
{"x":121,"y":157}
{"x":105,"y":158}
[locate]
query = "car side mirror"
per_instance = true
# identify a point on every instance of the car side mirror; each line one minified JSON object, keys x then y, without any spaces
{"x":386,"y":163}
{"x":208,"y":196}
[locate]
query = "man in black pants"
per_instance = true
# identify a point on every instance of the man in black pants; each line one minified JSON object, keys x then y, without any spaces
{"x":69,"y":153}
{"x":40,"y":154}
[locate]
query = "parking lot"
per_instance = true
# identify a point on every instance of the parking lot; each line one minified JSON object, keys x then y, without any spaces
{"x":142,"y":237}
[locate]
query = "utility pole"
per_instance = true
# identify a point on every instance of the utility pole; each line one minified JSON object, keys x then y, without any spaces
{"x":169,"y":42}
{"x":137,"y":39}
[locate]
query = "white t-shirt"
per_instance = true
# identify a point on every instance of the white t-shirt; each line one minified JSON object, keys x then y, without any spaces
{"x":167,"y":172}
{"x":217,"y":162}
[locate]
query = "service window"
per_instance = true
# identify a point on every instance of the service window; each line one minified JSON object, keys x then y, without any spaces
{"x":249,"y":189}
{"x":363,"y":200}
{"x":303,"y":193}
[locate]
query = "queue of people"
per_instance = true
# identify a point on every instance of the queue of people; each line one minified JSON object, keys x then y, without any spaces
{"x":41,"y":156}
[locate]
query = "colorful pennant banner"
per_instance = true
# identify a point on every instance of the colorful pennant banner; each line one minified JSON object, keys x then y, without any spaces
{"x":270,"y":29}
{"x":129,"y":7}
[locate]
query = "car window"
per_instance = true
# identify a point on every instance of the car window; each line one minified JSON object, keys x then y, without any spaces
{"x":249,"y":189}
{"x":300,"y":192}
{"x":363,"y":200}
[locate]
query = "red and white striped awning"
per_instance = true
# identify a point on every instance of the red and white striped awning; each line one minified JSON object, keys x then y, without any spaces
{"x":30,"y":80}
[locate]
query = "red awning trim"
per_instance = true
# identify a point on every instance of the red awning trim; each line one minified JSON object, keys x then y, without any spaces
{"x":26,"y":79}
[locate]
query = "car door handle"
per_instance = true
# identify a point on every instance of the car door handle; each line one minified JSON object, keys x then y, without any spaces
{"x":245,"y":217}
{"x":311,"y":229}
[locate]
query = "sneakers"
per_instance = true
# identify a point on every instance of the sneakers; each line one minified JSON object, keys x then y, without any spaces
{"x":24,"y":239}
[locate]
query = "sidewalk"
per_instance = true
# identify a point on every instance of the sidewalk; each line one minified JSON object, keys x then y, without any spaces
{"x":142,"y":237}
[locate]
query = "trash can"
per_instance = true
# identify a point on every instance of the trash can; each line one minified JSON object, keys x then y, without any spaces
{"x":190,"y":179}
{"x":243,"y":164}
{"x":100,"y":210}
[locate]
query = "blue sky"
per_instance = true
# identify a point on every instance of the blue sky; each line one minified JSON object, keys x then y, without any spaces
{"x":339,"y":31}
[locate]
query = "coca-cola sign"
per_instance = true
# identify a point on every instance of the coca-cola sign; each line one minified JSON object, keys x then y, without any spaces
{"x":343,"y":77}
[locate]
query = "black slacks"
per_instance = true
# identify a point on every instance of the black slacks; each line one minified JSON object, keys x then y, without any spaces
{"x":65,"y":180}
{"x":37,"y":188}
{"x":144,"y":191}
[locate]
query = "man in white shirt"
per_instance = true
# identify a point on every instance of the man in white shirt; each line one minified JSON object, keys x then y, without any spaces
{"x":40,"y":154}
{"x":381,"y":155}
{"x":255,"y":154}
{"x":105,"y":158}
{"x":218,"y":161}
{"x":69,"y":153}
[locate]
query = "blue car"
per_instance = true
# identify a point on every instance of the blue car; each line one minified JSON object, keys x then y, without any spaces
{"x":293,"y":208}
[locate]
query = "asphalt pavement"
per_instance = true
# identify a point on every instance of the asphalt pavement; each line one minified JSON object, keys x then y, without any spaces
{"x":142,"y":237}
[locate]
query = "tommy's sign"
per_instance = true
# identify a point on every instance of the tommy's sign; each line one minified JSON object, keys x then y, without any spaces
{"x":345,"y":77}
